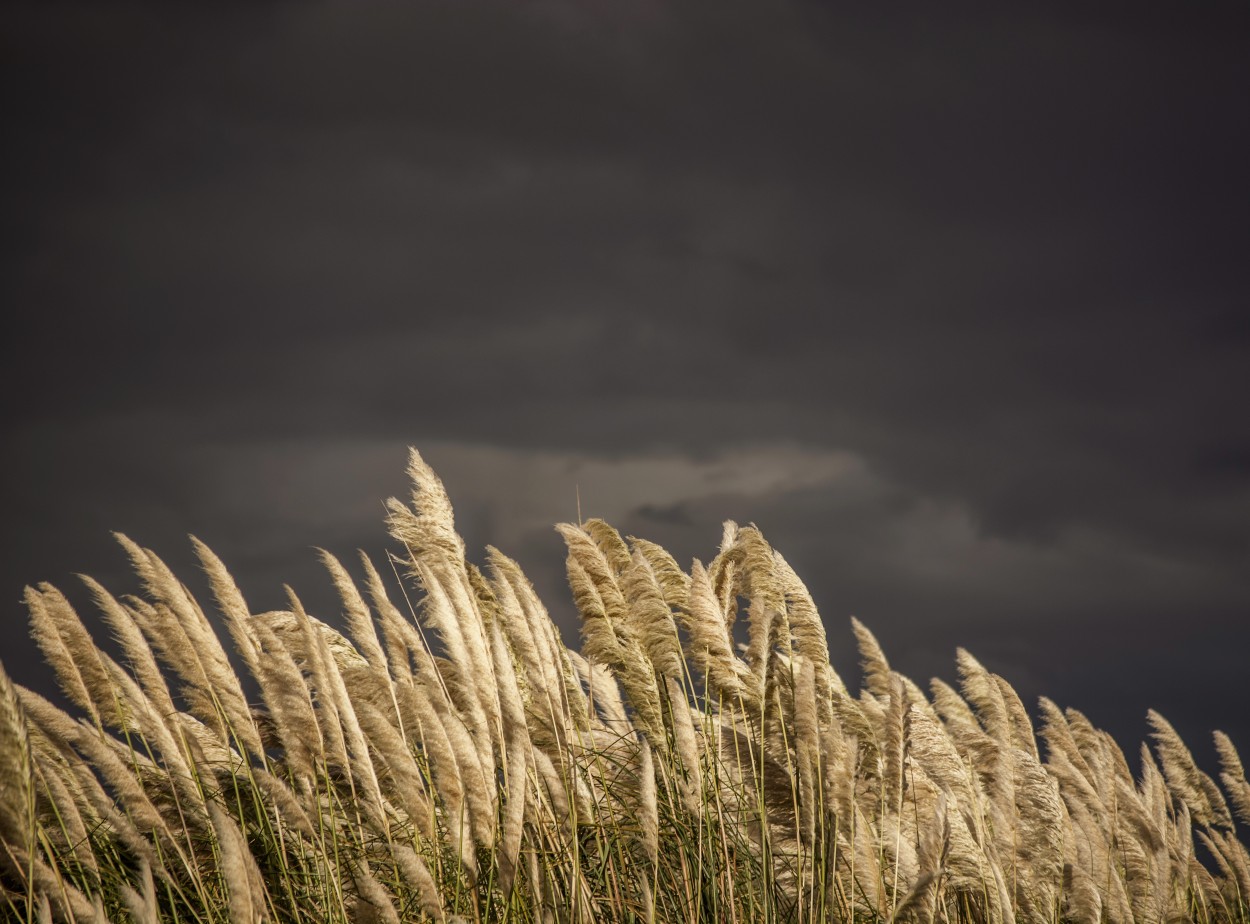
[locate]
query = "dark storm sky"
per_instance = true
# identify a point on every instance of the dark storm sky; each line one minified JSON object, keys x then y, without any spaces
{"x":952,"y":303}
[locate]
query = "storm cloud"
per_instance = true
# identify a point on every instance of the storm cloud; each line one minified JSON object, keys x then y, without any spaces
{"x":952,"y":303}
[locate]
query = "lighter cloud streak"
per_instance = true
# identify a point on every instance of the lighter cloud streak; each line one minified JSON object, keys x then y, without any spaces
{"x":515,"y":490}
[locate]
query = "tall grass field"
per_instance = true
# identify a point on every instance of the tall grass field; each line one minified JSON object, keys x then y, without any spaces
{"x":449,"y":759}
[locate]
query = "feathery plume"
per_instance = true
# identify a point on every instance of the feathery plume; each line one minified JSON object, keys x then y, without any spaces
{"x":213,"y":678}
{"x":142,"y":904}
{"x":1189,"y":784}
{"x":983,"y":693}
{"x":710,"y":647}
{"x":429,"y":527}
{"x":1021,"y":727}
{"x":517,"y":749}
{"x":370,"y":892}
{"x":230,"y":602}
{"x":17,"y":778}
{"x":651,"y":618}
{"x":138,"y":653}
{"x":70,"y":651}
{"x":611,"y":545}
{"x":606,"y":632}
{"x":359,"y":622}
{"x":417,"y":874}
{"x":673,"y":582}
{"x":872,"y":660}
{"x":244,"y":886}
{"x":1233,"y":776}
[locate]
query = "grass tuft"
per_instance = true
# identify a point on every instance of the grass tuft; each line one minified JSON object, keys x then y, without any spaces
{"x":456,"y":762}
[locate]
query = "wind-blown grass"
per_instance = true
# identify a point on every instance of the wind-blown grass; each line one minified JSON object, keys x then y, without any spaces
{"x":451,"y":759}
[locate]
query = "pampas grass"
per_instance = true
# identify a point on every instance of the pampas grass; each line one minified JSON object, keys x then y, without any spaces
{"x":451,"y":760}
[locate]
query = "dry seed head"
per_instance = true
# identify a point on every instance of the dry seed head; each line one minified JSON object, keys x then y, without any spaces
{"x":610,"y":544}
{"x":983,"y":694}
{"x":370,"y":892}
{"x":142,"y":904}
{"x":287,"y":697}
{"x":546,"y":682}
{"x":220,"y":677}
{"x":430,"y":526}
{"x":651,"y":619}
{"x":417,"y":875}
{"x":139,"y":654}
{"x":69,"y":649}
{"x":872,"y":660}
{"x":607,"y":638}
{"x":648,"y":803}
{"x":230,"y":601}
{"x":1233,"y":776}
{"x":1187,"y":782}
{"x":807,"y":628}
{"x":710,"y":647}
{"x":1017,"y":717}
{"x":17,"y":780}
{"x":463,"y":671}
{"x":244,"y":885}
{"x":1059,"y":739}
{"x":686,"y":746}
{"x":56,"y":781}
{"x":517,"y":750}
{"x":674,"y":583}
{"x":359,"y":620}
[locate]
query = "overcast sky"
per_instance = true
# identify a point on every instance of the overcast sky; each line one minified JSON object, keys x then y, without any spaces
{"x":953,"y":303}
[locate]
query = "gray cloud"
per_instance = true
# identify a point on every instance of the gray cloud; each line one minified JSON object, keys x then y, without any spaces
{"x":971,"y":282}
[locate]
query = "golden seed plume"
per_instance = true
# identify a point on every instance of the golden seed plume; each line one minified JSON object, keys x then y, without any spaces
{"x":244,"y":884}
{"x":17,"y":778}
{"x":1233,"y":776}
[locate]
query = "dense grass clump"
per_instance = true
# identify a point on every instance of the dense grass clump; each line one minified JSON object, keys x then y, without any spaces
{"x":452,"y":760}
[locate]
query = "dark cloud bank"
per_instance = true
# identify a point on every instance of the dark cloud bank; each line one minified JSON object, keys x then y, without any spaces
{"x":952,"y":303}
